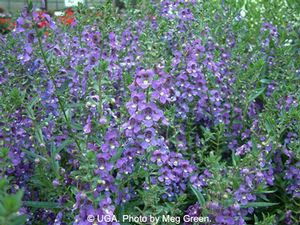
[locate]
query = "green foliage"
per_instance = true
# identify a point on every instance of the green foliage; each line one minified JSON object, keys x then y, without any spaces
{"x":9,"y":205}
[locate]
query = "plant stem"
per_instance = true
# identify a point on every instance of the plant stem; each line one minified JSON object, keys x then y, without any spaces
{"x":60,"y":101}
{"x":148,"y":95}
{"x":100,"y":107}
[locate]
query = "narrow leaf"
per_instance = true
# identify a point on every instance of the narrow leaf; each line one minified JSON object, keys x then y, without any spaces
{"x":258,"y":204}
{"x":257,"y":93}
{"x":45,"y":205}
{"x":199,"y":196}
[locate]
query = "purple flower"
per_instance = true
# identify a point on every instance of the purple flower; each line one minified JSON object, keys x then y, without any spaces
{"x":192,"y":67}
{"x":150,"y":114}
{"x":200,"y":181}
{"x":193,"y":211}
{"x":20,"y":25}
{"x":104,"y":165}
{"x":244,"y":148}
{"x":55,"y":182}
{"x":186,"y":168}
{"x":132,"y":127}
{"x":161,"y":94}
{"x":160,"y":157}
{"x":144,"y":78}
{"x":111,"y":143}
{"x":137,"y":100}
{"x":88,"y":126}
{"x":166,"y":176}
{"x":243,"y":195}
{"x":124,"y":165}
{"x":149,"y":138}
{"x":93,"y":59}
{"x":186,"y":14}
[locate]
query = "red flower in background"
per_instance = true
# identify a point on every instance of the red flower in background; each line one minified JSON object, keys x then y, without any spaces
{"x":68,"y":18}
{"x":41,"y":20}
{"x":6,"y":24}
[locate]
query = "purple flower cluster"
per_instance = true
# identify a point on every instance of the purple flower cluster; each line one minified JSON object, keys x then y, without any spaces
{"x":272,"y":34}
{"x":174,"y":172}
{"x":232,"y":215}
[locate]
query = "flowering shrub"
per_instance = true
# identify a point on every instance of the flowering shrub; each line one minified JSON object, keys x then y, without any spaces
{"x":68,"y":18}
{"x":179,"y":108}
{"x":5,"y":25}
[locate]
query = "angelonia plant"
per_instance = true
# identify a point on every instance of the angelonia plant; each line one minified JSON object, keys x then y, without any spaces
{"x":171,"y":108}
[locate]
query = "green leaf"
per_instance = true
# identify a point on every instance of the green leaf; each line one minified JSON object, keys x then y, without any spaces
{"x":254,"y":144}
{"x":53,"y":162}
{"x":91,"y":155}
{"x":76,"y":126}
{"x":19,"y":220}
{"x":16,"y":97}
{"x":12,"y":203}
{"x":44,"y":205}
{"x":63,"y":88}
{"x":234,"y":158}
{"x":267,"y":191}
{"x":3,"y":211}
{"x":265,"y":81}
{"x":3,"y":152}
{"x":3,"y":184}
{"x":199,"y":196}
{"x":255,"y":94}
{"x":258,"y":204}
{"x":34,"y":155}
{"x":39,"y":135}
{"x":270,"y":126}
{"x":30,"y":5}
{"x":63,"y":145}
